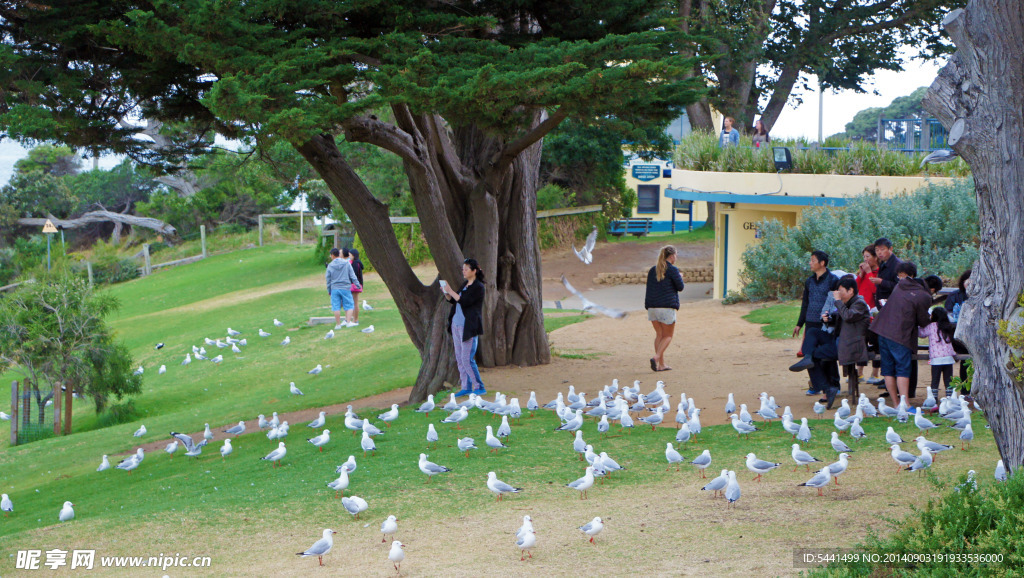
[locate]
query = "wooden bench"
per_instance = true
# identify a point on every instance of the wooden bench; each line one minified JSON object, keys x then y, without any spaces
{"x":636,"y":226}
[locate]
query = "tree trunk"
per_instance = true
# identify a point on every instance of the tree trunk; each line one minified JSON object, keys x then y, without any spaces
{"x":476,"y":198}
{"x":978,"y":97}
{"x":699,"y":114}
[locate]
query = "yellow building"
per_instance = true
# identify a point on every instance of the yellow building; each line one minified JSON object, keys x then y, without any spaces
{"x":744,"y":200}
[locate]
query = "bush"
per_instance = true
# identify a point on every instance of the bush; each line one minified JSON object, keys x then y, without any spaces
{"x":552,"y":196}
{"x":964,"y":521}
{"x":117,"y":413}
{"x":699,"y":151}
{"x":936,"y":227}
{"x":562,"y":231}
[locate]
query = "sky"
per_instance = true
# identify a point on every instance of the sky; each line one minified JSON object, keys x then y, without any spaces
{"x":802,"y":120}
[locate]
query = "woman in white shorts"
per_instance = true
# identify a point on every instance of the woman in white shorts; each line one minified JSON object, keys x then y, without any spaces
{"x":662,"y":301}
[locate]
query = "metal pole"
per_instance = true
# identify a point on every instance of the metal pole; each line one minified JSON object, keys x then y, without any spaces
{"x":56,"y":410}
{"x":48,"y":251}
{"x":202,"y":239}
{"x":14,"y":413}
{"x":673,"y":217}
{"x":821,"y":111}
{"x":301,"y":219}
{"x":88,"y":269}
{"x":691,"y":216}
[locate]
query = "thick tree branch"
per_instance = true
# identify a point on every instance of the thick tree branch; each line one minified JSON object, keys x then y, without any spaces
{"x":102,"y":217}
{"x":512,"y":150}
{"x":371,"y":130}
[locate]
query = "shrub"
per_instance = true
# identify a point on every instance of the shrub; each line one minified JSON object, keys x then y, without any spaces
{"x":964,"y":521}
{"x":936,"y":227}
{"x":552,"y":196}
{"x":115,"y":271}
{"x":117,"y":413}
{"x":564,"y":230}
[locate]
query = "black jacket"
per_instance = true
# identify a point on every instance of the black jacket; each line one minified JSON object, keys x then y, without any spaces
{"x":816,"y":294}
{"x":887,"y":273}
{"x":472,"y":301}
{"x":357,"y":266}
{"x":664,"y":293}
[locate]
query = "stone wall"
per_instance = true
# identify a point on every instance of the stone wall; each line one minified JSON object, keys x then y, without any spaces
{"x":690,"y":275}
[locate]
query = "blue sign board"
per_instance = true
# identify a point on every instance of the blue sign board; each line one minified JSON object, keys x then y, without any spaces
{"x":646,"y":172}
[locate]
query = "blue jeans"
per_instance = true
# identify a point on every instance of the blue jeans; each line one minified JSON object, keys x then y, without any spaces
{"x":472,"y":361}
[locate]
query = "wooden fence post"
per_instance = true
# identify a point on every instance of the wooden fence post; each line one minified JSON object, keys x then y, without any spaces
{"x":301,"y":219}
{"x":26,"y":403}
{"x":88,"y":269}
{"x":67,"y":410}
{"x":202,"y":239}
{"x":261,"y":230}
{"x":56,"y":410}
{"x":148,"y":265}
{"x":14,"y":413}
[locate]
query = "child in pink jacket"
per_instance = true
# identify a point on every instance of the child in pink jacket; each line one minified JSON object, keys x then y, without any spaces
{"x":940,"y":348}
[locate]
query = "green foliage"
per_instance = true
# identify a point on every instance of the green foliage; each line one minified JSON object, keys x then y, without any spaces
{"x":935,"y":227}
{"x":864,"y":125}
{"x":410,"y":238}
{"x":966,"y":520}
{"x":112,"y":374}
{"x":109,"y":265}
{"x":964,"y":385}
{"x":552,"y":196}
{"x":699,"y":151}
{"x":563,"y":230}
{"x":777,"y":318}
{"x":1012,"y":332}
{"x":118,"y":413}
{"x":46,"y":158}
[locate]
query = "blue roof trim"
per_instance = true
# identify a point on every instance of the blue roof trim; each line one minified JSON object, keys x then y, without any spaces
{"x":778,"y":199}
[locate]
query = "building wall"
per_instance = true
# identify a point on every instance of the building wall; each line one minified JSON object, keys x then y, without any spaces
{"x":735,"y":230}
{"x":662,"y":217}
{"x":798,"y":185}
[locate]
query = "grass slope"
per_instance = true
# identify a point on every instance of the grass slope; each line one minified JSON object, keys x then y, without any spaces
{"x":778,"y":319}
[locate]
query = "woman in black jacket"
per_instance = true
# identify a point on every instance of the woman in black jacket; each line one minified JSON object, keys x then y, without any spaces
{"x":465,"y":322}
{"x":662,"y":300}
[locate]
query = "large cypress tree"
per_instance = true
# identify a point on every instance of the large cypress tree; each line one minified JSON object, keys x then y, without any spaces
{"x":462,"y":91}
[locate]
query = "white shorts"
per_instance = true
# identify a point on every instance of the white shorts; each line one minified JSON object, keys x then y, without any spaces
{"x":664,"y":315}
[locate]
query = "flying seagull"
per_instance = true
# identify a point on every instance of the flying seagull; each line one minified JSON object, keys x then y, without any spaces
{"x":590,"y":305}
{"x":586,"y":254}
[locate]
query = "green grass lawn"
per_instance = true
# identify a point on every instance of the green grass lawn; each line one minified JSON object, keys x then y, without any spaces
{"x":698,"y":235}
{"x":778,"y":319}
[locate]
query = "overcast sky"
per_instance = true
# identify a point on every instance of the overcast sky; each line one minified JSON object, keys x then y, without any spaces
{"x":802,"y":120}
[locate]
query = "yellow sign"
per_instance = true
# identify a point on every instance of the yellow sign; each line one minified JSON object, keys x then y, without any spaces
{"x":48,"y":227}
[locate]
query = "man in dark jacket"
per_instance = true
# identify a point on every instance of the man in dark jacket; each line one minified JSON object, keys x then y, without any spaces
{"x":887,"y":264}
{"x":896,"y":326}
{"x":817,"y":288}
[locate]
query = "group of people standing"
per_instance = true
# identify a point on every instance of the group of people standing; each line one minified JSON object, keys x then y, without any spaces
{"x":884,"y":307}
{"x":344,"y":284}
{"x":730,"y":137}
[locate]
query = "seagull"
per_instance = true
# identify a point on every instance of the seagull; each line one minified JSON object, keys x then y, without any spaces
{"x":329,"y":334}
{"x":390,"y":415}
{"x":318,"y":422}
{"x":592,"y":528}
{"x":315,"y":371}
{"x":933,"y":447}
{"x":236,"y":430}
{"x":856,"y":430}
{"x":128,"y":464}
{"x":263,"y":333}
{"x":162,"y":370}
{"x":341,"y":484}
{"x":432,"y":435}
{"x":456,"y":417}
{"x":226,"y":449}
{"x":740,"y":427}
{"x":499,"y":487}
{"x":922,"y":422}
{"x":730,"y":406}
{"x":321,"y":547}
{"x":389,"y":526}
{"x":702,"y":462}
{"x":396,"y":555}
{"x":277,"y":455}
{"x":321,"y":440}
{"x":233,"y":333}
{"x":901,"y":457}
{"x":718,"y":484}
{"x":493,"y":442}
{"x":184,"y":439}
{"x":367,"y":306}
{"x":732,"y":488}
{"x":603,"y":425}
{"x":187,"y":360}
{"x":923,"y":461}
{"x":840,"y":423}
{"x":504,"y":430}
{"x":370,"y":428}
{"x":218,"y":359}
{"x":573,"y":424}
{"x":140,"y":432}
{"x":367,"y":444}
{"x":104,"y":465}
{"x":286,"y":340}
{"x":586,"y":253}
{"x":235,"y":349}
{"x":159,"y":346}
{"x":583,"y":484}
{"x":672,"y":456}
{"x":139,"y":371}
{"x":465,"y":445}
{"x":208,"y":341}
{"x":220,"y":344}
{"x":745,"y":416}
{"x":819,"y":409}
{"x":67,"y":513}
{"x":526,"y":542}
{"x":349,"y":465}
{"x":207,"y":434}
{"x":838,"y":445}
{"x":802,"y":458}
{"x":654,"y":419}
{"x":590,"y":306}
{"x":6,"y":505}
{"x":172,"y":447}
{"x":820,"y":480}
{"x":804,"y":434}
{"x":430,"y":468}
{"x":966,"y":436}
{"x":939,"y":156}
{"x":293,"y":389}
{"x":278,"y":323}
{"x":367,"y":329}
{"x":844,"y":409}
{"x":427,"y":406}
{"x":838,"y":467}
{"x":1000,"y":471}
{"x":759,"y":466}
{"x":892,"y":437}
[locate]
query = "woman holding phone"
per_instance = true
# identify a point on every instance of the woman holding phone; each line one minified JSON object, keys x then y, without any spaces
{"x":465,"y":322}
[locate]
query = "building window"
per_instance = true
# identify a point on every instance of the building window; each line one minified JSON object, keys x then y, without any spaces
{"x":648,"y":198}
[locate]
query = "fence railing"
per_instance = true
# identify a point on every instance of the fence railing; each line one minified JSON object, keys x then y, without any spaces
{"x":911,"y":134}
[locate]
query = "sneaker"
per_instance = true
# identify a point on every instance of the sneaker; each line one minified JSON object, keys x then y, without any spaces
{"x":875,"y":381}
{"x":812,"y":392}
{"x":353,"y":325}
{"x":480,"y":391}
{"x":340,"y":326}
{"x":464,"y":393}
